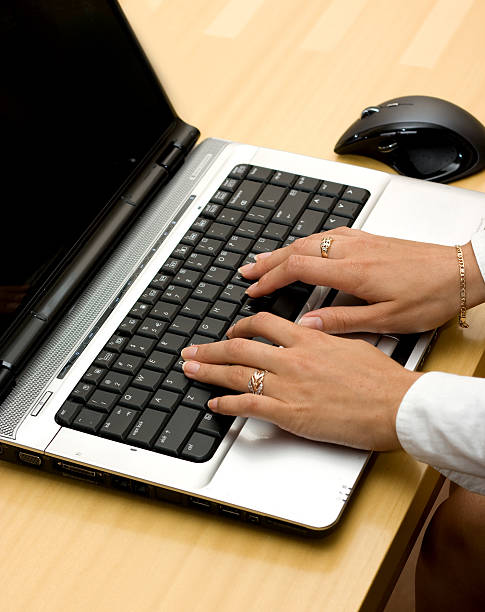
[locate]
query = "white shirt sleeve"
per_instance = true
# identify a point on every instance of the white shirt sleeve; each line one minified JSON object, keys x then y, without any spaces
{"x":441,"y":419}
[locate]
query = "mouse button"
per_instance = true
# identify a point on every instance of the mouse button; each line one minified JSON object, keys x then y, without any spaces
{"x":370,"y":110}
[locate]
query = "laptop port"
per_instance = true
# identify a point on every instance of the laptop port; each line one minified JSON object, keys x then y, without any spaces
{"x":30,"y":459}
{"x":253,"y":518}
{"x":203,"y":504}
{"x":228,"y":511}
{"x":76,"y":471}
{"x":120,"y":483}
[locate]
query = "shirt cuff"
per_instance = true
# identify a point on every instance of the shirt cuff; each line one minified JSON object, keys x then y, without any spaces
{"x":441,"y":421}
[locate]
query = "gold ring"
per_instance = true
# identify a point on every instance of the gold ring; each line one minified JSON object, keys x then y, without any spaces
{"x":325,"y":245}
{"x":256,"y":382}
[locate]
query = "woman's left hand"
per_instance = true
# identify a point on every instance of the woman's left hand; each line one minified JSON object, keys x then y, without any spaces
{"x":316,"y":385}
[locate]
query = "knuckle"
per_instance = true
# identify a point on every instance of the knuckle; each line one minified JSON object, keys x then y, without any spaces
{"x":250,"y":403}
{"x":299,"y":246}
{"x":236,"y":375}
{"x":295,"y":262}
{"x":236,"y":346}
{"x":262,"y":318}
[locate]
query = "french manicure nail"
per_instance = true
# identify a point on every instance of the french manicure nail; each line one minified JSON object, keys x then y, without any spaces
{"x":261,"y":256}
{"x":245,"y":268}
{"x":189,"y":352}
{"x":313,"y":322}
{"x":191,"y":367}
{"x":251,"y":287}
{"x":213,"y":403}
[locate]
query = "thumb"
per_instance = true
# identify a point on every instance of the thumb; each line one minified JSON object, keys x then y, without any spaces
{"x":346,"y":319}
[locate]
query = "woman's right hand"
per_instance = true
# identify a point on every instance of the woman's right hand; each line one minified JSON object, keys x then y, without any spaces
{"x":408,"y":286}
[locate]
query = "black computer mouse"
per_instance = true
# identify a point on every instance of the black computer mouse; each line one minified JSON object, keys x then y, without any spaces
{"x":419,"y":136}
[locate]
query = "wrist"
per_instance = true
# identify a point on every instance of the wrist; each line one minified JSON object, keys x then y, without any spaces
{"x":475,"y":285}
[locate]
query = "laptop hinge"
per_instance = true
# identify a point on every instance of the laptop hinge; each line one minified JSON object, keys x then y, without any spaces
{"x":182,"y":139}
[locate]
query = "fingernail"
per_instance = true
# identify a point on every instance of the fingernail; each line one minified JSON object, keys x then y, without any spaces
{"x":189,"y":352}
{"x":251,"y":287}
{"x":313,"y":322}
{"x":261,"y":256}
{"x":191,"y":367}
{"x":229,"y":331}
{"x":246,"y":268}
{"x":213,"y":403}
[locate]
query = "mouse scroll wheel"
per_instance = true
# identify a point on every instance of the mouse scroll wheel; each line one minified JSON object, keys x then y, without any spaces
{"x":369,"y":111}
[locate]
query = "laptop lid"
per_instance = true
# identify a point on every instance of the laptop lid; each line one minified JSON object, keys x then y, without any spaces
{"x":81,"y":113}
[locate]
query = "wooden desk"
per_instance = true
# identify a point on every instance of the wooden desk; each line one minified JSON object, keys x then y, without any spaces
{"x":289,"y":75}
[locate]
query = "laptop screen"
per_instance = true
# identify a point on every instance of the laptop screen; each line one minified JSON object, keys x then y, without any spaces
{"x":79,"y":109}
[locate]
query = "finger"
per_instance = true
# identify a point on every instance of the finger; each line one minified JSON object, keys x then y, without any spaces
{"x":269,"y":326}
{"x":234,"y":377}
{"x":346,"y":319}
{"x":336,"y":273}
{"x":248,"y":405}
{"x":236,"y":351}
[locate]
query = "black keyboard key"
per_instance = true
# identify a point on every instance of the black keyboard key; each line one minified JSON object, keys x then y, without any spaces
{"x":127,"y":364}
{"x":103,"y":400}
{"x":347,"y":209}
{"x":66,"y":414}
{"x":160,"y":281}
{"x":152,"y":328}
{"x":290,"y":300}
{"x":128,"y":326}
{"x":220,"y":231}
{"x":175,"y":294}
{"x":258,"y":214}
{"x":200,"y":447}
{"x":148,"y":380}
{"x":206,"y":291}
{"x":255,"y":305}
{"x":191,"y":238}
{"x":198,"y":262}
{"x":182,"y":251}
{"x":177,"y":429}
{"x":185,"y":326}
{"x":356,"y":194}
{"x":284,"y":179}
{"x":215,"y":424}
{"x":229,"y":184}
{"x":322,"y":203}
{"x":116,"y":343}
{"x":115,"y":382}
{"x":291,"y":207}
{"x":276,"y":231}
{"x":306,"y":183}
{"x":257,"y":173}
{"x":105,"y":359}
{"x":271,"y":197}
{"x":214,"y":328}
{"x":234,"y":293}
{"x":165,"y":400}
{"x":171,"y":266}
{"x":230,"y":216}
{"x":289,"y":240}
{"x":172,"y":343}
{"x":218,"y":276}
{"x":201,"y":224}
{"x":247,"y":229}
{"x":94,"y":374}
{"x":244,"y":196}
{"x":239,"y":279}
{"x":187,"y":278}
{"x":211,"y":211}
{"x":160,"y":362}
{"x":146,"y":428}
{"x":238,"y":244}
{"x":88,"y":420}
{"x":139,"y":310}
{"x":198,"y":339}
{"x":309,"y":223}
{"x":81,"y":392}
{"x":330,"y":189}
{"x":150,"y":296}
{"x":197,"y":398}
{"x":135,"y":398}
{"x":118,"y":423}
{"x":265,"y":245}
{"x":140,"y":346}
{"x":334,"y":221}
{"x":220,"y":197}
{"x":209,"y":246}
{"x":195,"y":308}
{"x":165,"y":311}
{"x":228,"y":259}
{"x":223,"y":310}
{"x":239,"y":172}
{"x":176,"y":382}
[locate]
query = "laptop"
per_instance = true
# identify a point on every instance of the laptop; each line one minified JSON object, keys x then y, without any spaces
{"x":120,"y":245}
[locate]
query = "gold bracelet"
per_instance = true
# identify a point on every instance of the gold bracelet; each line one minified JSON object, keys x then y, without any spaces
{"x":461,"y":263}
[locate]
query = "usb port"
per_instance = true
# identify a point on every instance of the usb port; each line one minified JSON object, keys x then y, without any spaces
{"x":200,"y":503}
{"x":228,"y":511}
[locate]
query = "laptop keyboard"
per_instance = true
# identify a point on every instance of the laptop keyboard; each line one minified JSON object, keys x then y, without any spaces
{"x":135,"y":391}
